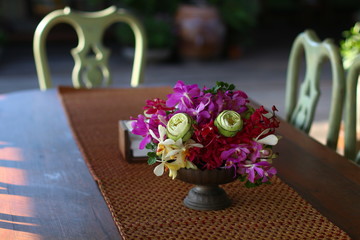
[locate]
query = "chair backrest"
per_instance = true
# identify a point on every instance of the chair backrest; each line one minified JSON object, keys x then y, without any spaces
{"x":91,"y":57}
{"x":351,"y":111}
{"x":300,"y":111}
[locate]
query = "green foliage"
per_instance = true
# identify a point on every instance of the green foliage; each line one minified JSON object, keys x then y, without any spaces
{"x":150,"y":7}
{"x":238,"y":15}
{"x":152,"y":146}
{"x":249,"y":184}
{"x":159,"y":33}
{"x":350,"y":46}
{"x":284,"y":5}
{"x":242,"y":178}
{"x":257,"y":183}
{"x":2,"y":36}
{"x":152,"y":155}
{"x":152,"y":158}
{"x":221,"y":86}
{"x":157,"y":18}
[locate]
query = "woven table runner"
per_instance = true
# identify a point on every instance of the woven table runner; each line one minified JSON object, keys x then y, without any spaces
{"x":148,"y":207}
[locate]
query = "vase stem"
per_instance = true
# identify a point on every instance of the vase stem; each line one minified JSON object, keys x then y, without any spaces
{"x":207,"y":197}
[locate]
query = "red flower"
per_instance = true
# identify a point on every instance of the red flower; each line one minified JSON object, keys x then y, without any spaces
{"x":157,"y":106}
{"x":259,"y":121}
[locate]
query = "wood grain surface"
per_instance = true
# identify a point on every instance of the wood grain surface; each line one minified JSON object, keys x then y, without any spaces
{"x":46,"y":190}
{"x":330,"y":182}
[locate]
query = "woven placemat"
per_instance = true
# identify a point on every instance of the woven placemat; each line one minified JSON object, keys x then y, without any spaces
{"x":148,"y":207}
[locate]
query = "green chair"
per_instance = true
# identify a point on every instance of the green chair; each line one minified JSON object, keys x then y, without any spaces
{"x":90,"y":70}
{"x":300,"y":111}
{"x":351,"y":110}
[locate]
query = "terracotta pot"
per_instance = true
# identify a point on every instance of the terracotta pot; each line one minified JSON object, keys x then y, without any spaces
{"x":207,"y":195}
{"x":200,"y":31}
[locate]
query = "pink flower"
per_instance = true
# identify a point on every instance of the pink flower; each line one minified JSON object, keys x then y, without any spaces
{"x":141,"y":127}
{"x":183,"y":96}
{"x":236,"y":154}
{"x":258,"y":170}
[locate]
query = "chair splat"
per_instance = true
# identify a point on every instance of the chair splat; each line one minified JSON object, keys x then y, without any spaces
{"x":300,"y":110}
{"x":91,"y":58}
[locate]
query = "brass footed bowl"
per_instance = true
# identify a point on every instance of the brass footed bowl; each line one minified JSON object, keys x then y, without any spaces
{"x":207,"y":195}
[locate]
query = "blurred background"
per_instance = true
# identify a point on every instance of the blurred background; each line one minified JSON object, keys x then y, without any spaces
{"x":246,"y":42}
{"x":226,"y":28}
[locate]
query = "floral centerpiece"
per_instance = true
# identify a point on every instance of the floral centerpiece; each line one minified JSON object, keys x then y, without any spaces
{"x":209,"y":128}
{"x":350,"y":45}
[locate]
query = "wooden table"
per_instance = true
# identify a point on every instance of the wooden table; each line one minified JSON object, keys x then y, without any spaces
{"x":47,"y":190}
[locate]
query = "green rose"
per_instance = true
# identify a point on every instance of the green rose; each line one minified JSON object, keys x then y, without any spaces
{"x":228,"y":123}
{"x":180,"y":126}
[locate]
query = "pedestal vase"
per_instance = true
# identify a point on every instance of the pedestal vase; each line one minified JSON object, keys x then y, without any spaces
{"x":207,"y":195}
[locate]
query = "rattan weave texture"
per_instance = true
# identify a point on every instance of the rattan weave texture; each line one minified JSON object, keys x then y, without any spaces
{"x":148,"y":207}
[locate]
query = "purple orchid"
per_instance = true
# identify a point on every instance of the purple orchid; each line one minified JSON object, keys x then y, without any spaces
{"x":141,"y":127}
{"x":236,"y":151}
{"x":183,"y":96}
{"x":238,"y":101}
{"x":259,"y":170}
{"x":236,"y":155}
{"x":256,"y":151}
{"x":199,"y":112}
{"x":269,"y":172}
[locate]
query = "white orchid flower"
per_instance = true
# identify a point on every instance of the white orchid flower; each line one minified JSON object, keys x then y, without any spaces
{"x":164,"y":145}
{"x":268,"y":140}
{"x":174,"y":157}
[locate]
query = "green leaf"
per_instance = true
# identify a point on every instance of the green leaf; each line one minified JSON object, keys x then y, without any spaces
{"x":257,"y":183}
{"x":151,"y":160}
{"x":151,"y":154}
{"x":249,"y":184}
{"x":350,"y":45}
{"x":151,"y":146}
{"x":221,"y":86}
{"x":152,"y":157}
{"x":242,"y":178}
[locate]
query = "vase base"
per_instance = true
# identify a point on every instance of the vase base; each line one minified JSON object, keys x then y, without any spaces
{"x":207,"y":198}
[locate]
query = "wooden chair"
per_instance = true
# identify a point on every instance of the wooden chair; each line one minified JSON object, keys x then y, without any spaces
{"x":351,"y":111}
{"x":300,"y":111}
{"x":90,"y":70}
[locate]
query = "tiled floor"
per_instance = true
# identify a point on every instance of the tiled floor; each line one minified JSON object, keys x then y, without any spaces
{"x":261,"y":73}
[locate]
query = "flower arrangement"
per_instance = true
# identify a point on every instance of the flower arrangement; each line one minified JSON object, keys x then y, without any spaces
{"x":350,"y":45}
{"x":206,"y":128}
